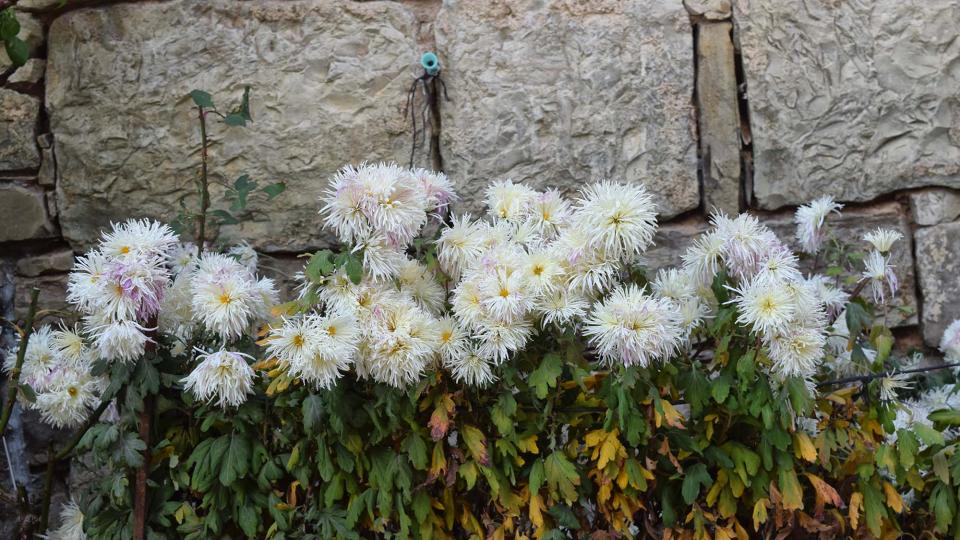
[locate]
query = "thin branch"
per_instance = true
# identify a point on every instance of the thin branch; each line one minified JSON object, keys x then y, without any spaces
{"x":873,"y":376}
{"x":14,"y":381}
{"x":204,"y":183}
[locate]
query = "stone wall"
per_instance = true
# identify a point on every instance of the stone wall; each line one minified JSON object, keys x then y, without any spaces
{"x":760,"y":106}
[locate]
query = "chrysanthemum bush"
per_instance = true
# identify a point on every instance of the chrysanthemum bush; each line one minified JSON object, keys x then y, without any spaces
{"x":515,"y":374}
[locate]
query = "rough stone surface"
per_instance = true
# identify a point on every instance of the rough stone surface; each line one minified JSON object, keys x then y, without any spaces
{"x":562,"y":93}
{"x":60,"y":260}
{"x":53,"y":292}
{"x":934,"y":206}
{"x":29,"y":73}
{"x":47,"y":175}
{"x":848,"y":229}
{"x":17,"y":123}
{"x":938,"y":264}
{"x":23,"y":214}
{"x":670,"y":241}
{"x":328,"y":80}
{"x":719,"y":117}
{"x":714,"y":10}
{"x":851,"y":99}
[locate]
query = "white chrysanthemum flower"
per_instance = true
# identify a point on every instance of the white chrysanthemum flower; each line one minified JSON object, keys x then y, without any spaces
{"x":222,"y":376}
{"x":132,"y":288}
{"x":71,"y":524}
{"x":548,"y":213}
{"x":631,"y":328}
{"x":70,"y":346}
{"x":267,"y":295}
{"x":467,"y":303}
{"x":123,"y":341}
{"x":620,"y":218}
{"x":84,"y":283}
{"x":505,"y":297}
{"x":589,"y":270}
{"x":509,"y":201}
{"x":245,"y":255}
{"x":459,"y":245}
{"x":746,"y":243}
{"x":66,"y":401}
{"x":176,"y":311}
{"x":419,"y":282}
{"x":693,"y":312}
{"x":880,"y":274}
{"x":561,"y":307}
{"x":796,"y":351}
{"x":470,"y":368}
{"x":380,"y":259}
{"x":225,"y":297}
{"x":542,"y":271}
{"x":780,"y":264}
{"x":810,"y":218}
{"x":437,"y":188}
{"x":702,"y":259}
{"x":891,"y":383}
{"x":673,"y":283}
{"x":882,"y":239}
{"x":833,"y":299}
{"x":343,"y":205}
{"x":401,"y":341}
{"x":182,"y":256}
{"x":453,"y":341}
{"x":950,"y":342}
{"x":292,"y":342}
{"x":39,"y":359}
{"x":499,"y":339}
{"x":138,"y":239}
{"x":317,"y":350}
{"x":766,"y":304}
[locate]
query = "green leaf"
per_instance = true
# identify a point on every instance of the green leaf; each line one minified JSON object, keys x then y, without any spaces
{"x":235,"y":119}
{"x":562,"y":476}
{"x":927,"y":434}
{"x":943,"y":502}
{"x":273,"y":190}
{"x":545,"y":376}
{"x":242,"y":187}
{"x":236,"y":460}
{"x":319,"y":266}
{"x":354,"y":269}
{"x":907,"y":447}
{"x":17,"y":50}
{"x":27,"y":392}
{"x":565,"y":517}
{"x":248,"y":520}
{"x":857,"y":319}
{"x":312,"y":409}
{"x":9,"y":25}
{"x":874,"y":508}
{"x":694,"y":477}
{"x":131,"y":450}
{"x":950,"y":417}
{"x":224,"y":217}
{"x":416,"y":449}
{"x":421,"y":505}
{"x":536,"y":475}
{"x":799,"y":396}
{"x":720,"y":388}
{"x":202,"y":99}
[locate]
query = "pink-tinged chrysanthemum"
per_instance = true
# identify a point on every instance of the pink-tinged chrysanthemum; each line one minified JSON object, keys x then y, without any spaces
{"x":810,"y":219}
{"x":509,"y":201}
{"x":766,"y":304}
{"x":879,"y":272}
{"x":459,"y":245}
{"x":437,"y":188}
{"x":797,"y":351}
{"x":122,"y":341}
{"x":138,"y":238}
{"x":630,"y":327}
{"x":223,"y":377}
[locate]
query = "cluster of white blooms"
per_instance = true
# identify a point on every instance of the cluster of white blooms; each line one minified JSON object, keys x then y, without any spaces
{"x":877,"y":268}
{"x":71,"y":524}
{"x":917,"y":411}
{"x":56,"y":367}
{"x":950,"y":342}
{"x":381,"y":208}
{"x":141,"y":286}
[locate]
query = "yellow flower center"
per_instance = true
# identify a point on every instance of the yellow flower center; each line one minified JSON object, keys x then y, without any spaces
{"x":225,"y":299}
{"x":504,"y":292}
{"x":537,"y":269}
{"x":125,"y":249}
{"x":298,"y":340}
{"x":73,"y":391}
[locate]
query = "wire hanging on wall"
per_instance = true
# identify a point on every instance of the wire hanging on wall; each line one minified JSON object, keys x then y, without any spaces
{"x":429,"y":111}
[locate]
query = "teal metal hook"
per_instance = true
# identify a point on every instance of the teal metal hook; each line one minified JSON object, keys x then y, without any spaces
{"x":430,"y":63}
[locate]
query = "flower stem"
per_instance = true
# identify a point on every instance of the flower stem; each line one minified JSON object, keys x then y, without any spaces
{"x":204,"y":183}
{"x":14,"y":381}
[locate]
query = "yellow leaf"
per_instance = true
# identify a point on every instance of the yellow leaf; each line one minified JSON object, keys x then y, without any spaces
{"x":804,"y":447}
{"x":894,"y":501}
{"x":760,"y":513}
{"x":741,"y":532}
{"x":266,"y":364}
{"x":594,"y":437}
{"x":671,"y":415}
{"x":722,"y":534}
{"x":825,"y":491}
{"x":622,"y":478}
{"x":528,"y":444}
{"x":609,"y":450}
{"x":536,"y":510}
{"x":856,"y":502}
{"x":438,"y":463}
